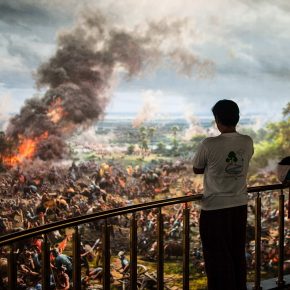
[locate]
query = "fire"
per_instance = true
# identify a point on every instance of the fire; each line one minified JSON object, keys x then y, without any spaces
{"x":56,"y":111}
{"x":26,"y":150}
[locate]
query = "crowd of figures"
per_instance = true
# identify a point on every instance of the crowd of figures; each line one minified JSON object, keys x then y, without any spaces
{"x":36,"y":198}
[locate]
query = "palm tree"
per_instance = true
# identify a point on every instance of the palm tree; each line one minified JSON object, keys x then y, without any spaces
{"x":151,"y":131}
{"x":174,"y":129}
{"x":143,"y":139}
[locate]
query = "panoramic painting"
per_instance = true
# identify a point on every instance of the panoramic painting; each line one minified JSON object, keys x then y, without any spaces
{"x":115,"y":122}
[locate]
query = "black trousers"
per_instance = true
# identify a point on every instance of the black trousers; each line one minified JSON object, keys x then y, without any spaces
{"x":223,"y":236}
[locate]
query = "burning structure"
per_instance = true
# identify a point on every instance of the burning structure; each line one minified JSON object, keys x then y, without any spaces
{"x":80,"y":77}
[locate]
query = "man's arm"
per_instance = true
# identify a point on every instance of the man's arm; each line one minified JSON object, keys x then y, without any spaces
{"x":198,"y":170}
{"x":200,"y":159}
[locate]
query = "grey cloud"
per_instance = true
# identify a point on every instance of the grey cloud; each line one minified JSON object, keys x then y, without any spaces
{"x":252,"y":47}
{"x":26,"y":14}
{"x":30,"y":58}
{"x":28,"y":32}
{"x":259,"y":89}
{"x":281,"y":4}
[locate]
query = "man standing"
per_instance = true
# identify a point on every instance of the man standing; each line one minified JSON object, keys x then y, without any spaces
{"x":224,"y":161}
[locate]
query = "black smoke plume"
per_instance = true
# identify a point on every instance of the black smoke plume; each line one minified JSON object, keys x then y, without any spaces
{"x":81,"y":75}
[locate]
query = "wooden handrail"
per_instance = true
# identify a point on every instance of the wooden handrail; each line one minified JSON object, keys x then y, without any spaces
{"x":132,"y":209}
{"x":75,"y":221}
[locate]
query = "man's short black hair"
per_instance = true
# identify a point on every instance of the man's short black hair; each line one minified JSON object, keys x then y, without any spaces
{"x":226,"y":112}
{"x":285,"y":161}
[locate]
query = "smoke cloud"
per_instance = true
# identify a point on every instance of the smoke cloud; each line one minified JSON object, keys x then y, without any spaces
{"x":194,"y":126}
{"x":90,"y":139}
{"x":80,"y":77}
{"x":149,"y":109}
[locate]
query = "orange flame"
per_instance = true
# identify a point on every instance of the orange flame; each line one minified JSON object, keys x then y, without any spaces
{"x":56,"y":111}
{"x":26,"y":150}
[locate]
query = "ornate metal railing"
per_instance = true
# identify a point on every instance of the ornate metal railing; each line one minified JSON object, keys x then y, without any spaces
{"x":12,"y":238}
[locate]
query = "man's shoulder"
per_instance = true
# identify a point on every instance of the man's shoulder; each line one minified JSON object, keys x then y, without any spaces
{"x":210,"y":140}
{"x":245,"y":137}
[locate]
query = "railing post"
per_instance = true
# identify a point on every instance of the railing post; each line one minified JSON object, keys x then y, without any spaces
{"x":133,"y":253}
{"x":289,"y":202}
{"x":76,"y":260}
{"x":160,"y":247}
{"x":186,"y":247}
{"x":106,"y":256}
{"x":280,"y":281}
{"x":257,"y":285}
{"x":12,"y":269}
{"x":45,"y":263}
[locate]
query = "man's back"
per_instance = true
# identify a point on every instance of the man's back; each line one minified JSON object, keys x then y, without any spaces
{"x":226,"y":161}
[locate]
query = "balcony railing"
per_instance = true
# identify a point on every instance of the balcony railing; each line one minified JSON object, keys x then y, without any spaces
{"x":13,"y":238}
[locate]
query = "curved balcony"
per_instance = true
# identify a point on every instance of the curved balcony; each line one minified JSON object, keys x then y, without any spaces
{"x":132,"y":279}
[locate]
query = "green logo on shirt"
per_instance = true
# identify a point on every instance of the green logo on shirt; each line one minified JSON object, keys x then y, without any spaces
{"x":234,"y":163}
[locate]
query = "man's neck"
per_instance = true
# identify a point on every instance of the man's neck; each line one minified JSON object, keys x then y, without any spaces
{"x":225,"y":129}
{"x":228,"y":130}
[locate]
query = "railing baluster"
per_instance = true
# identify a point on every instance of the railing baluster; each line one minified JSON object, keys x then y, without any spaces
{"x":76,"y":260}
{"x":74,"y":222}
{"x":133,"y":253}
{"x":288,"y":203}
{"x":106,"y":256}
{"x":160,"y":247}
{"x":12,"y":269}
{"x":45,"y":264}
{"x":186,"y":247}
{"x":280,"y":281}
{"x":257,"y":285}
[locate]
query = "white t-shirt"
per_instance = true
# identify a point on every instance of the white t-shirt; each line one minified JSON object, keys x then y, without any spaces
{"x":225,"y":159}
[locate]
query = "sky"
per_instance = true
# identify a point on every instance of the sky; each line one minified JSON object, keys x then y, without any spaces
{"x":243,"y":45}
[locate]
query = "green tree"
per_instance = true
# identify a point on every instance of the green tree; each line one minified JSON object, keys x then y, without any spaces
{"x":151,"y":131}
{"x":174,"y":130}
{"x":276,"y":143}
{"x":280,"y":133}
{"x":286,"y":110}
{"x":160,"y":148}
{"x":144,"y":145}
{"x":130,"y":149}
{"x":143,"y":139}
